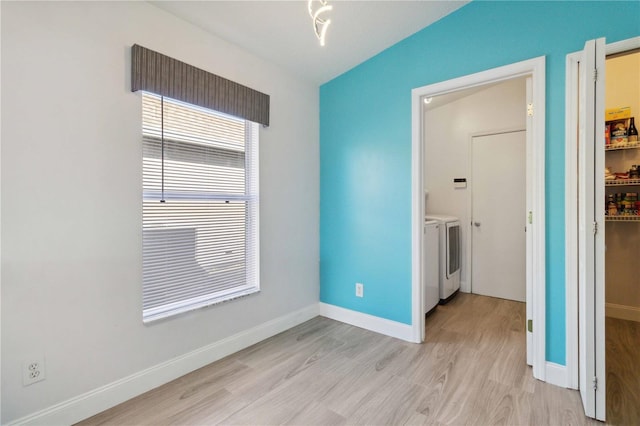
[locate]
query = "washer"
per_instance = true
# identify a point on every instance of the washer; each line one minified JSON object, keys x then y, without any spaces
{"x":431,"y":262}
{"x":449,"y":274}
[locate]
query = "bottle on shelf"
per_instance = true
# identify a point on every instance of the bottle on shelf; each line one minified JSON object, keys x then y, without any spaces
{"x":632,"y":132}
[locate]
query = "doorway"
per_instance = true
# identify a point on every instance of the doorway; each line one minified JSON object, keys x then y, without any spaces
{"x":622,"y":242}
{"x":594,"y":248}
{"x":535,"y":194}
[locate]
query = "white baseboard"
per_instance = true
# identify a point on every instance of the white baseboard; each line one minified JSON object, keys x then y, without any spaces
{"x":93,"y":402}
{"x":368,"y":322}
{"x":630,"y":313}
{"x":556,"y":374}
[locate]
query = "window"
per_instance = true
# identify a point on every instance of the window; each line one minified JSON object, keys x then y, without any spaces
{"x":200,"y":207}
{"x":200,"y":184}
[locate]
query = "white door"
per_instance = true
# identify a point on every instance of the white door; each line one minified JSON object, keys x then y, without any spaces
{"x":498,"y":245}
{"x":591,"y":229}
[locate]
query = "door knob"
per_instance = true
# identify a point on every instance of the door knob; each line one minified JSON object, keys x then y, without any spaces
{"x":476,"y":224}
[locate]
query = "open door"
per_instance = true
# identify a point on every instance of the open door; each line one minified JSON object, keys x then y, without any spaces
{"x":591,"y":229}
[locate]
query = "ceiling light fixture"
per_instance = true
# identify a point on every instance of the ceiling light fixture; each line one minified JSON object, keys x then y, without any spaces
{"x":319,"y":25}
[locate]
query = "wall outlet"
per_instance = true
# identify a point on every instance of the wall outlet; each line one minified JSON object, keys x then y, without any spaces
{"x":359,"y":290}
{"x":33,"y":371}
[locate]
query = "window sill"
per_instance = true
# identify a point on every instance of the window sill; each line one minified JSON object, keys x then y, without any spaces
{"x":165,"y":312}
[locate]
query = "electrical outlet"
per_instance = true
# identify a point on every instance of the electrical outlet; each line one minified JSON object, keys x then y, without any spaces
{"x":359,"y":290}
{"x":33,"y":371}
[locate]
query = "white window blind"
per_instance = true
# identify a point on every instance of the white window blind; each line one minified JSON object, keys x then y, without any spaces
{"x":200,"y":207}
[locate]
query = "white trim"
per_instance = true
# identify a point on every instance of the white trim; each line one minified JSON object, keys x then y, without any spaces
{"x":571,"y":219}
{"x":629,"y":313}
{"x":622,"y":46}
{"x":538,"y":200}
{"x":556,"y":374}
{"x":571,"y":203}
{"x":368,"y":322}
{"x":529,"y":233}
{"x":417,"y":219}
{"x":0,"y":238}
{"x":536,"y":69}
{"x":93,"y":402}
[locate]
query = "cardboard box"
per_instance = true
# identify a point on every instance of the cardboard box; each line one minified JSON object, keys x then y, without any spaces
{"x":618,"y":128}
{"x":617,"y":113}
{"x":619,"y":141}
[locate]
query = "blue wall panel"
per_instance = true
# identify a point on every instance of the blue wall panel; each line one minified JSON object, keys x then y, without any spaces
{"x":365,"y":142}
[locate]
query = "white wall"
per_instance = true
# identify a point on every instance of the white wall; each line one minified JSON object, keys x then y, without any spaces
{"x":71,"y":190}
{"x":448,"y":130}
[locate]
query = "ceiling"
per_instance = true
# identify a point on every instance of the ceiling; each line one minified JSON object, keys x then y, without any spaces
{"x":447,"y":98}
{"x":282,"y":31}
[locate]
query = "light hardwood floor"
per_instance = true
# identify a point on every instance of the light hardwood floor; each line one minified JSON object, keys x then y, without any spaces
{"x":470,"y":370}
{"x":623,"y":371}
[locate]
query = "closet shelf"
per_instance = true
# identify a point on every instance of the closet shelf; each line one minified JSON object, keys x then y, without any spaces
{"x":622,"y":218}
{"x":622,"y":182}
{"x":629,"y":145}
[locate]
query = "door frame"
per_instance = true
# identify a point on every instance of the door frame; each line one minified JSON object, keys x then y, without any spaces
{"x":535,"y":68}
{"x":571,"y":210}
{"x":470,"y":188}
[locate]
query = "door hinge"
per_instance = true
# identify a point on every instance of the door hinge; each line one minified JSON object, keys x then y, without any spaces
{"x":595,"y":228}
{"x":530,"y":326}
{"x":595,"y":74}
{"x":595,"y":383}
{"x":530,"y":218}
{"x":530,"y":109}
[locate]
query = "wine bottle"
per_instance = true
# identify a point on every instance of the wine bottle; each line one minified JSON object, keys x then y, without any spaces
{"x":632,"y":132}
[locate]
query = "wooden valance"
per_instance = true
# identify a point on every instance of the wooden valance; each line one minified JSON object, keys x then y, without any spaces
{"x":154,"y":72}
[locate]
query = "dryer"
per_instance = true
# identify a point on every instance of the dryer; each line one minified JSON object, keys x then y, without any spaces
{"x":449,"y":274}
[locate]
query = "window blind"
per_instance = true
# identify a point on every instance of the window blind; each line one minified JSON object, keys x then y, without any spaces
{"x":200,"y":207}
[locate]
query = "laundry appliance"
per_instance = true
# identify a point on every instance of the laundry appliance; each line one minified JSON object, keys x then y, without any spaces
{"x":431,"y":262}
{"x":449,"y":241}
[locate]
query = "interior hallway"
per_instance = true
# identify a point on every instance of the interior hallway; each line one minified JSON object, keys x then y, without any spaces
{"x":470,"y":370}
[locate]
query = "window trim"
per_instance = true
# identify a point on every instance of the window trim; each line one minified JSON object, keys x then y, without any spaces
{"x":251,"y":225}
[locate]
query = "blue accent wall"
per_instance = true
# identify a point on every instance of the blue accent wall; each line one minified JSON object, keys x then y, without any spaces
{"x":365,"y":143}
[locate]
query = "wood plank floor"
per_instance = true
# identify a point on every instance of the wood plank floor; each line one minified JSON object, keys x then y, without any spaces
{"x":623,"y":371}
{"x":471,"y":370}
